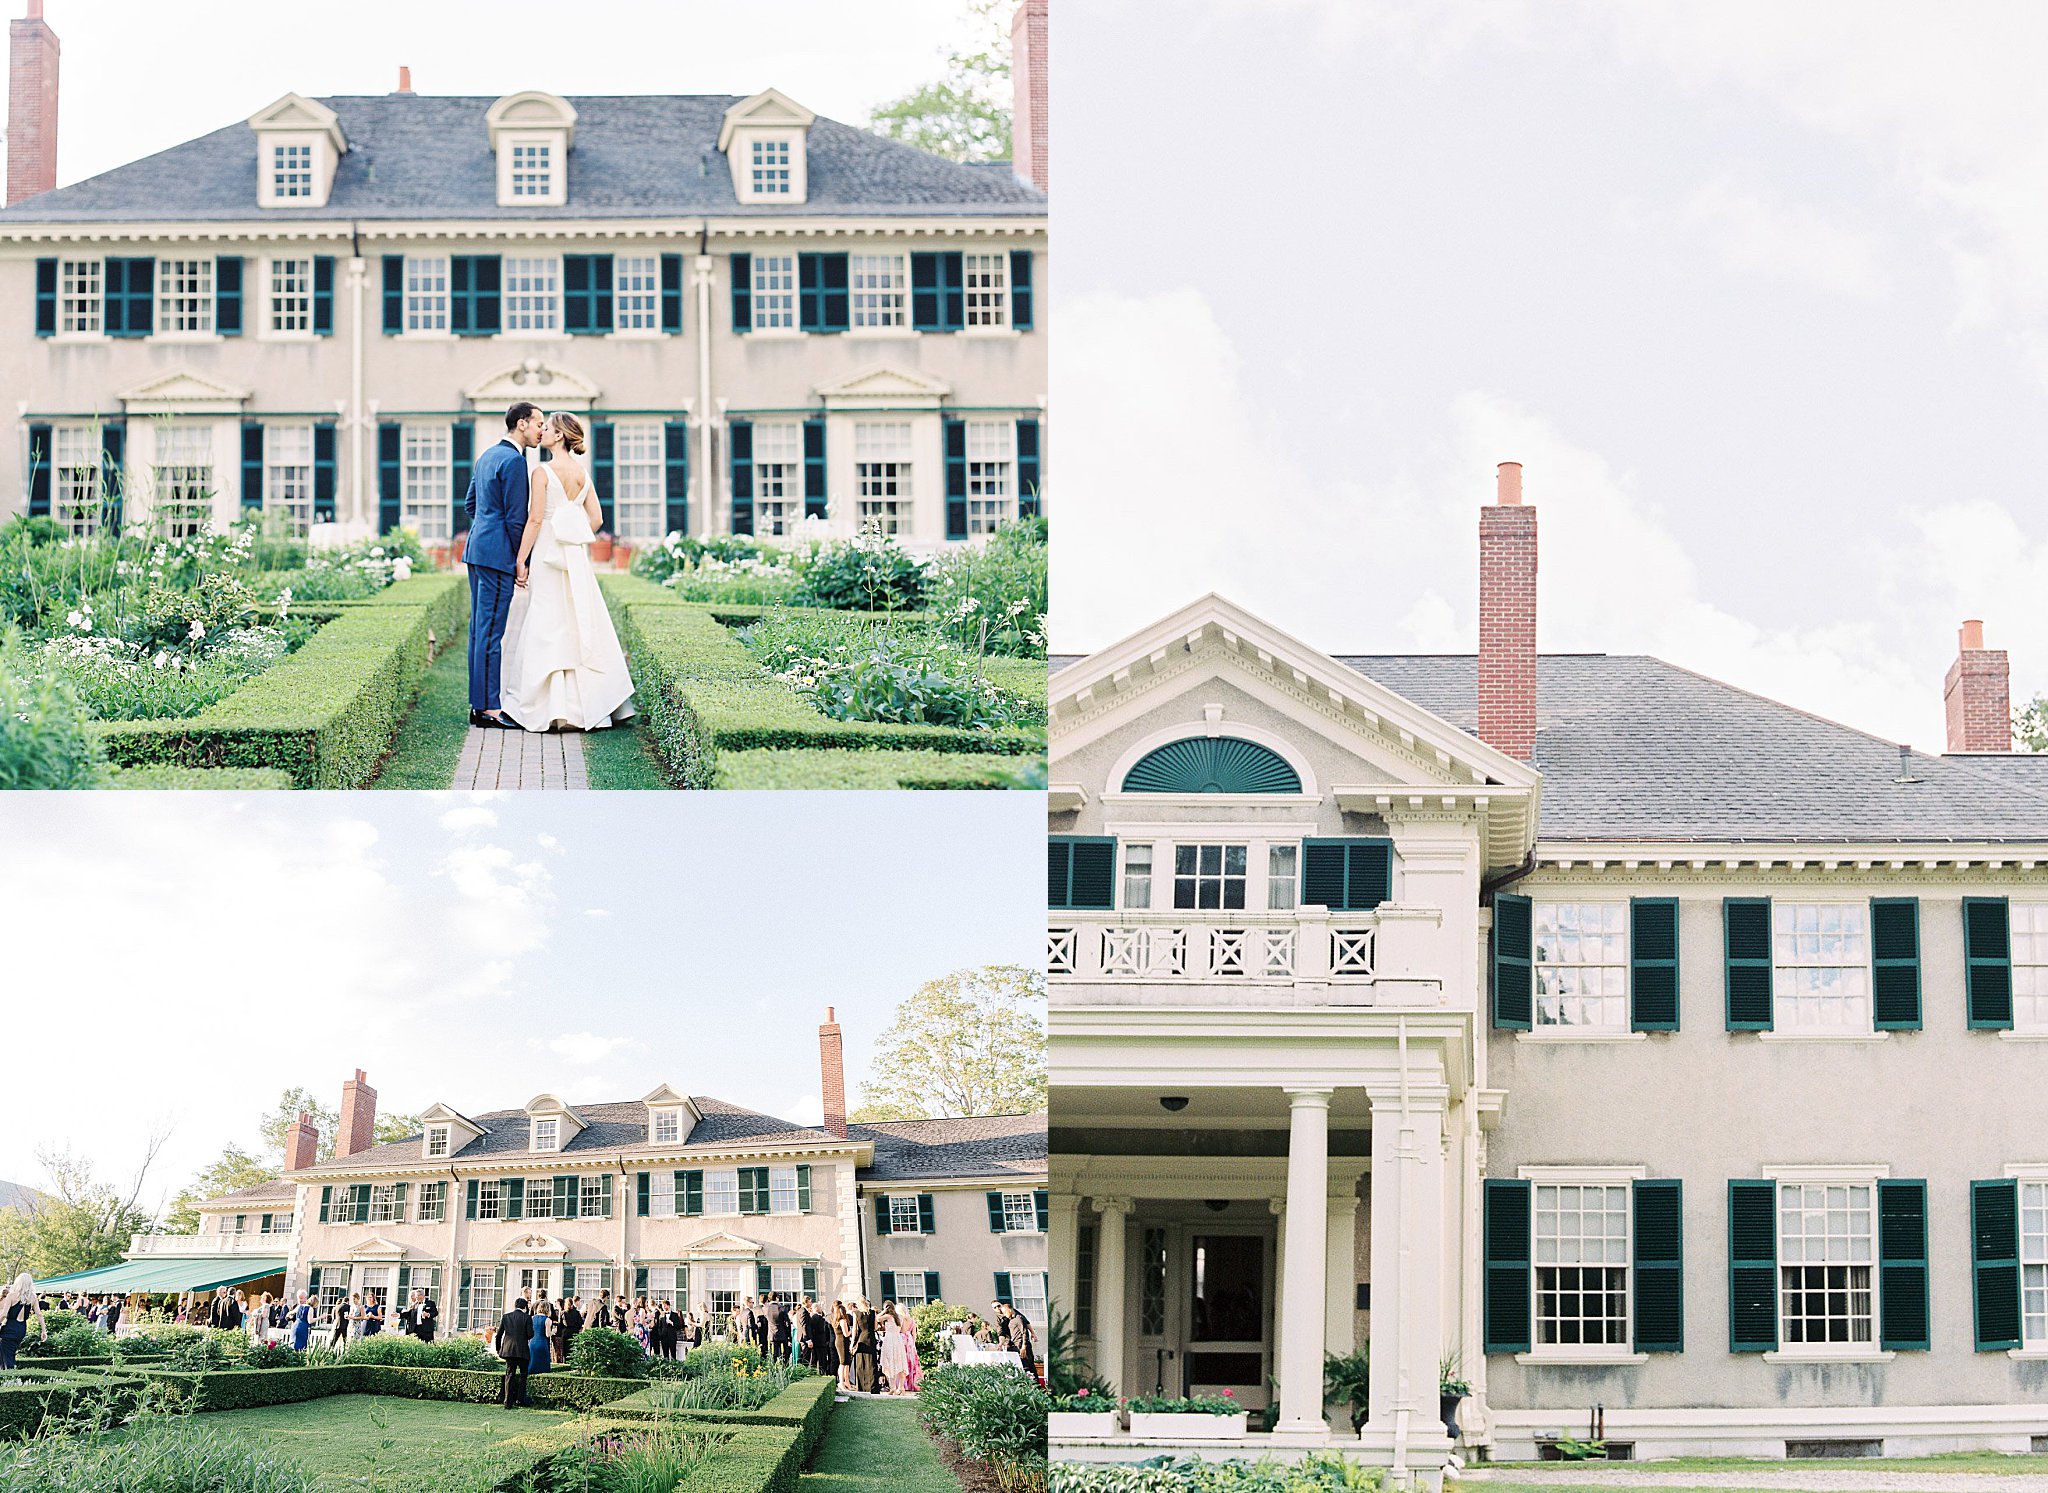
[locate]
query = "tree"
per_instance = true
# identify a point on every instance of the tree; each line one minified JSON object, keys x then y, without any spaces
{"x":968,"y":1043}
{"x":82,"y":1224}
{"x":396,"y":1127}
{"x":290,"y":1106}
{"x":2030,"y":725}
{"x":235,"y":1170}
{"x":965,"y":115}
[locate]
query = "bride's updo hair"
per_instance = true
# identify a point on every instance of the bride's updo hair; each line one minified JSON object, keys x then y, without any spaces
{"x":571,"y":428}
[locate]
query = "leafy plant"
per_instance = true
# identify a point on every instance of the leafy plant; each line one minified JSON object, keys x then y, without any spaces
{"x":1223,"y":1404}
{"x":858,"y":670}
{"x":1318,"y":1472}
{"x":609,"y":1354}
{"x":1346,"y":1381}
{"x":993,"y":597}
{"x":1449,"y":1378}
{"x":722,"y":1358}
{"x":44,"y":742}
{"x":1067,"y":1373}
{"x":1574,"y":1449}
{"x":995,"y":1413}
{"x":872,"y":573}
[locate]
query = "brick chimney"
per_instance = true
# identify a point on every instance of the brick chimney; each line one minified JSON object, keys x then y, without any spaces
{"x":358,"y":1116}
{"x":1977,"y":695}
{"x":1507,"y":618}
{"x":301,"y":1143}
{"x":1028,"y":133}
{"x":31,"y":105}
{"x":832,"y":1074}
{"x":404,"y":79}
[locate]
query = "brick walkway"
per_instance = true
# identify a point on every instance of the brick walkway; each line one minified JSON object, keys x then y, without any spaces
{"x":493,"y":759}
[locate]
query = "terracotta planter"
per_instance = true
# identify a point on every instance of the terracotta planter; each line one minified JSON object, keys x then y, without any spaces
{"x":622,"y":555}
{"x":1181,"y":1427}
{"x":600,"y":551}
{"x":461,"y":542}
{"x":1082,"y":1423}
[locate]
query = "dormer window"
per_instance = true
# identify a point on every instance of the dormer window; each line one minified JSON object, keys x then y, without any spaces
{"x":299,"y":145}
{"x":765,"y":140}
{"x":668,"y":1126}
{"x":771,"y":168}
{"x":532,"y":169}
{"x":531,"y":135}
{"x":437,"y":1141}
{"x":291,"y":170}
{"x":547,"y":1134}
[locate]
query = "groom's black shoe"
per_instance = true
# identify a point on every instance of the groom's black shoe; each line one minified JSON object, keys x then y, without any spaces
{"x":478,"y":718}
{"x":502,"y":723}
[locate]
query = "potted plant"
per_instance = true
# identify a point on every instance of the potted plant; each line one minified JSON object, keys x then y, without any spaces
{"x":622,"y":554}
{"x":1345,"y":1382}
{"x":1188,"y":1417}
{"x":461,"y":541}
{"x":1451,"y":1392}
{"x":1084,"y":1413}
{"x":601,"y":548}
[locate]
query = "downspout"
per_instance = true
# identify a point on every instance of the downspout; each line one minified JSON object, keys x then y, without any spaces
{"x":1398,"y":1473}
{"x":705,"y":483}
{"x":453,"y":1282}
{"x":619,"y":1197}
{"x":358,"y":276}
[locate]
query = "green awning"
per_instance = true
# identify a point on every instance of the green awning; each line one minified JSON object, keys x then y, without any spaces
{"x":163,"y":1276}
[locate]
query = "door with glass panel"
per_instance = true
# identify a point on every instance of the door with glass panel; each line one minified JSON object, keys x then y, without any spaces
{"x":1203,"y":1294}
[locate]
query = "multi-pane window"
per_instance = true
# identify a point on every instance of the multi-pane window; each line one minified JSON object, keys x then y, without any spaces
{"x":433,"y":1204}
{"x":590,"y":1196}
{"x":1151,"y":1284}
{"x":288,"y":474}
{"x":877,"y":283}
{"x":239,"y":1224}
{"x":2029,"y":924}
{"x":547,"y":1134}
{"x":909,"y":1288}
{"x":1027,"y":1295}
{"x":1821,"y":954}
{"x":540,"y":1197}
{"x":187,"y":286}
{"x":74,"y":460}
{"x":425,"y":481}
{"x":778,"y":476}
{"x":79,"y":300}
{"x":904,"y":1217}
{"x":533,"y":294}
{"x":774,"y":290}
{"x":782,"y":1194}
{"x":486,"y":1299}
{"x":1825,"y":1252}
{"x":881,"y":465}
{"x":375,"y":1284}
{"x":668,"y":1125}
{"x":183,"y":477}
{"x":1582,"y":965}
{"x":786,"y":1281}
{"x":1282,"y":876}
{"x":991,"y":463}
{"x":384,"y":1205}
{"x":636,"y":293}
{"x":662,"y":1282}
{"x":987,"y":278}
{"x":532,"y":167}
{"x":426,"y":292}
{"x":1020,"y":1213}
{"x":722,"y":1191}
{"x":291,"y":171}
{"x":661,"y":1194}
{"x":333,"y":1288}
{"x":582,"y":1280}
{"x":770,"y":167}
{"x":2034,"y":1264}
{"x":437,"y":1140}
{"x":487,"y":1200}
{"x":723,"y":1286}
{"x":1209,"y":876}
{"x":291,"y":295}
{"x":1581,"y":1262}
{"x":1137,"y":876}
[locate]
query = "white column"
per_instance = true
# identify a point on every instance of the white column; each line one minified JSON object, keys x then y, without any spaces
{"x":1343,"y":1268}
{"x":1408,"y":1309}
{"x":358,"y":421}
{"x":1109,"y":1290}
{"x":1278,"y":1207}
{"x":1303,"y":1267}
{"x":1064,"y":1252}
{"x":703,"y":479}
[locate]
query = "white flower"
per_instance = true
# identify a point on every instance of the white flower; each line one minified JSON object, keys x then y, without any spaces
{"x":76,"y":619}
{"x":159,"y":661}
{"x":197,"y":632}
{"x":402,"y":568}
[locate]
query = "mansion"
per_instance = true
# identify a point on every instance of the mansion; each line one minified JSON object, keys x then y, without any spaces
{"x":669,"y":1196}
{"x":764,"y":317}
{"x":1645,"y":1054}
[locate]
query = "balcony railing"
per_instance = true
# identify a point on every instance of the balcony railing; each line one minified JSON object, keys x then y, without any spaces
{"x":251,"y":1243}
{"x":1239,"y":947}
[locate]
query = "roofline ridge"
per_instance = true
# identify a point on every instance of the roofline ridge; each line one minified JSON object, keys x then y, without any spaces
{"x":1811,"y":715}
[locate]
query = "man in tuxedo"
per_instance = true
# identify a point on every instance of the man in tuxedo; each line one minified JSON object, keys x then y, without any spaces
{"x":420,"y":1316}
{"x":757,"y":1324}
{"x":496,"y":503}
{"x":778,"y":1329}
{"x":514,"y":1343}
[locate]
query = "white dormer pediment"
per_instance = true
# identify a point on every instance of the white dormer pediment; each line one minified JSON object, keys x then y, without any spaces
{"x":453,"y":1127}
{"x":766,"y":143}
{"x":723,"y":1246}
{"x":666,"y":1106}
{"x":181,"y":391}
{"x":377,"y":1248}
{"x":567,"y":1123}
{"x":299,"y":143}
{"x":884,"y":386}
{"x":1177,"y":679}
{"x":547,"y":385}
{"x":531,"y":136}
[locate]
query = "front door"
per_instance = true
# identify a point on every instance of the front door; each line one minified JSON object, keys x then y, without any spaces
{"x":1201,"y":1297}
{"x":529,"y":1279}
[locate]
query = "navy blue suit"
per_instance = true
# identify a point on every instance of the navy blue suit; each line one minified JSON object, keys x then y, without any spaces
{"x":496,"y":505}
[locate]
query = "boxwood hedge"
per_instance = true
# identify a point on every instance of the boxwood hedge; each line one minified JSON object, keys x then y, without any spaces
{"x":812,"y":768}
{"x":219,"y":779}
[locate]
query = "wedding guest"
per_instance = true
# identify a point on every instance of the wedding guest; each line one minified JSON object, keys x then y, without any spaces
{"x":537,"y":1342}
{"x":842,"y":1345}
{"x":1013,"y":1331}
{"x":302,"y":1322}
{"x":861,"y":1334}
{"x":572,"y":1323}
{"x":895,"y":1361}
{"x":373,"y":1315}
{"x":17,"y":1304}
{"x":338,"y":1324}
{"x":259,"y":1319}
{"x":420,"y":1316}
{"x":514,"y":1344}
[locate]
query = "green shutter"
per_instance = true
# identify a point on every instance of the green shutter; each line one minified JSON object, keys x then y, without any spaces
{"x":323,"y":472}
{"x":811,"y":1281}
{"x":1995,"y":1263}
{"x":1895,"y":963}
{"x":390,"y":475}
{"x":327,"y":1196}
{"x":931,"y":1285}
{"x":252,"y":465}
{"x":671,"y":292}
{"x":821,"y":292}
{"x":1752,"y":1266}
{"x":675,"y":450}
{"x":1505,"y":1230}
{"x":471,"y":1210}
{"x":602,"y":445}
{"x":937,"y":295}
{"x":1041,"y":1202}
{"x":323,"y":295}
{"x":642,"y":1189}
{"x":1343,"y":875}
{"x":461,"y":465}
{"x":881,"y":1213}
{"x":1030,"y":471}
{"x":398,"y":1203}
{"x":1987,"y":961}
{"x":513,"y":1191}
{"x":743,"y":292}
{"x":925,"y":1225}
{"x":803,"y":1188}
{"x":130,"y":297}
{"x":683,"y":1286}
{"x":815,"y":502}
{"x":227,"y":295}
{"x":41,"y":460}
{"x":995,"y":1213}
{"x":473,"y":286}
{"x":404,"y":1283}
{"x":764,"y":1279}
{"x":1660,"y":1266}
{"x":1653,"y":964}
{"x":604,"y":1279}
{"x":693,"y":1192}
{"x":606,"y":1187}
{"x":888,"y":1279}
{"x":956,"y":478}
{"x":739,"y":446}
{"x":1080,"y":871}
{"x":1020,"y":289}
{"x":1902,"y":1265}
{"x":113,"y":436}
{"x":1216,"y":764}
{"x":640,"y":1280}
{"x":462,"y":1322}
{"x":394,"y":294}
{"x":46,"y":297}
{"x":1003,"y":1287}
{"x":362,"y":1202}
{"x":1513,"y":971}
{"x":565,"y":1197}
{"x":1746,"y":946}
{"x":586,"y":294}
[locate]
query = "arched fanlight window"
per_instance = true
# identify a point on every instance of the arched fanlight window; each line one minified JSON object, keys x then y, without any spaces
{"x":1212,"y":764}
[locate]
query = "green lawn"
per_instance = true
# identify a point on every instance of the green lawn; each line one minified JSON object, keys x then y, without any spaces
{"x":876,"y":1446}
{"x":429,"y":744}
{"x":348,"y":1440}
{"x":623,"y":756}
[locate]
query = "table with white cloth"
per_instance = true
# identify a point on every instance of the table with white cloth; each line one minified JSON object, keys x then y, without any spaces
{"x":967,"y":1350}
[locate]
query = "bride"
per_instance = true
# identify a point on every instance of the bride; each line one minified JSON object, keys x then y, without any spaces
{"x":564,"y":669}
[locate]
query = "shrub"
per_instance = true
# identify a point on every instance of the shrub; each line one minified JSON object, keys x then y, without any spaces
{"x":121,"y":681}
{"x":869,"y":574}
{"x":448,"y":1353}
{"x":275,"y":1356}
{"x":1318,"y":1472}
{"x":994,"y":596}
{"x":44,"y":739}
{"x":679,"y":552}
{"x":727,"y":1389}
{"x":76,"y":1339}
{"x":718,"y":1358}
{"x":213,"y":1349}
{"x":994,"y":1412}
{"x":930,"y":1321}
{"x":170,"y":615}
{"x":601,"y":1351}
{"x":852,"y":670}
{"x":157,"y":1456}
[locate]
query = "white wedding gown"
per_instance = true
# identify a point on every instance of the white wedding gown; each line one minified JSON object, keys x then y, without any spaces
{"x":563,"y":663}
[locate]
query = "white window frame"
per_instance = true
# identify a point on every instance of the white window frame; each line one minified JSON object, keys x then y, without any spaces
{"x":985,"y":291}
{"x":1826,"y":1182}
{"x":532,"y":169}
{"x":532,"y":295}
{"x":433,"y":1203}
{"x":2033,"y":1200}
{"x":661,"y":1193}
{"x":184,"y":294}
{"x":905,"y":1297}
{"x":2028,"y":931}
{"x":425,"y":287}
{"x":490,"y":1193}
{"x":288,"y":473}
{"x":440,"y":1141}
{"x":1223,"y":876}
{"x":1029,"y":1304}
{"x":1024,"y":1205}
{"x":1283,"y":875}
{"x":384,"y":1204}
{"x":1786,"y":1000}
{"x":639,"y":481}
{"x":905,"y":1217}
{"x":1548,"y":931}
{"x":772,"y":293}
{"x":728,"y":1281}
{"x":74,"y":461}
{"x":673,"y":1119}
{"x":786,"y":1280}
{"x":590,"y":1195}
{"x":540,"y":1197}
{"x":548,"y":186}
{"x":778,"y":476}
{"x":183,"y":488}
{"x":547,"y":1133}
{"x":1136,"y":891}
{"x":292,"y":171}
{"x":426,"y":479}
{"x":884,"y":470}
{"x":636,"y":295}
{"x":878,"y":294}
{"x":288,"y":291}
{"x":82,"y":298}
{"x":991,"y":475}
{"x":486,"y":1304}
{"x":1584,"y":1176}
{"x":782,"y":1191}
{"x":771,"y":166}
{"x":722,"y":1192}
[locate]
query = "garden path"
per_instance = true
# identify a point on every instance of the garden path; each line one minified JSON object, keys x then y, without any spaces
{"x":496,"y":760}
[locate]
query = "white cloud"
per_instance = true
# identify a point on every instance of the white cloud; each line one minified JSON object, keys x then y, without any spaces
{"x":504,"y":901}
{"x":597,"y":912}
{"x":1749,"y":232}
{"x":468,"y":820}
{"x":586,"y":1048}
{"x":548,"y":842}
{"x":807,"y":1109}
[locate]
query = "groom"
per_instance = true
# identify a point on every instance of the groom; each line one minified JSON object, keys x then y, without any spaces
{"x":496,"y":505}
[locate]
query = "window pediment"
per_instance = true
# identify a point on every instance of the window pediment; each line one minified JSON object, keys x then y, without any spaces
{"x":531,"y":137}
{"x":546,"y":385}
{"x":183,"y":392}
{"x":723,"y":1245}
{"x":884,"y":385}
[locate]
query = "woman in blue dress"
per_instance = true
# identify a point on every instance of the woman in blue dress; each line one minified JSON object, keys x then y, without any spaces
{"x":302,"y":1323}
{"x":17,"y":1304}
{"x":537,"y":1347}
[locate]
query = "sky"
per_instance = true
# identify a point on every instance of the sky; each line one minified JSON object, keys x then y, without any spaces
{"x":1758,"y":293}
{"x":836,"y":59}
{"x":192,"y":956}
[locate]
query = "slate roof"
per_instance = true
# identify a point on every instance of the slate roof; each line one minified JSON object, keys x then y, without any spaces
{"x":1633,"y":748}
{"x":262,"y":1192}
{"x":990,"y":1146}
{"x":635,"y":156}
